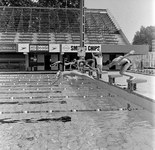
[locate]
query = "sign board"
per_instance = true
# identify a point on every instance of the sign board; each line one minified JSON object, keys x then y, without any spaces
{"x":39,"y":47}
{"x":81,"y":52}
{"x":93,"y":48}
{"x":24,"y":48}
{"x":8,"y":47}
{"x":53,"y":48}
{"x":73,"y":48}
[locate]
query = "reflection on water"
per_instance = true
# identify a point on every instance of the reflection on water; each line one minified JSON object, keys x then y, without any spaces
{"x":109,"y":130}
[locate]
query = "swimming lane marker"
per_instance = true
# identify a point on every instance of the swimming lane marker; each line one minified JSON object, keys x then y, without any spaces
{"x":97,"y":109}
{"x":50,"y":111}
{"x":74,"y":110}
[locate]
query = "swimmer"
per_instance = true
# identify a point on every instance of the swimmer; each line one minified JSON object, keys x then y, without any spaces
{"x":99,"y":60}
{"x":80,"y":64}
{"x":71,"y":73}
{"x":60,"y":62}
{"x":124,"y":62}
{"x":89,"y":63}
{"x":64,"y":64}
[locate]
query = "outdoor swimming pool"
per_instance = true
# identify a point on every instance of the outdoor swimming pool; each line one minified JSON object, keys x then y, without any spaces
{"x":73,"y":114}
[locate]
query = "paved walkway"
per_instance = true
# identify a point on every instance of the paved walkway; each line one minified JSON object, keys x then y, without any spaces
{"x":38,"y":114}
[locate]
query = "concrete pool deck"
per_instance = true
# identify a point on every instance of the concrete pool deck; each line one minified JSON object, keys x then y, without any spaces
{"x":146,"y":89}
{"x":36,"y":114}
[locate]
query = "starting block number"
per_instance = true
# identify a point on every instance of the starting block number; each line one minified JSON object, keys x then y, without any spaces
{"x":112,"y":78}
{"x":132,"y":84}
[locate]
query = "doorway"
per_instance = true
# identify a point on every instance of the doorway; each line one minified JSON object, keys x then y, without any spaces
{"x":112,"y":56}
{"x":47,"y":62}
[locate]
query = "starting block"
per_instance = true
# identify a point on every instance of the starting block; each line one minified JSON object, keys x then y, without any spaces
{"x":99,"y":75}
{"x":86,"y":69}
{"x":132,"y":84}
{"x":112,"y":78}
{"x":90,"y":72}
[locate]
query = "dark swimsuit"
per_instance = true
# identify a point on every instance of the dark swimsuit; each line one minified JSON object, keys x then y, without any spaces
{"x":127,"y":62}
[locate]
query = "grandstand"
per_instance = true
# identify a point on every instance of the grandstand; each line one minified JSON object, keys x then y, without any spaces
{"x":58,"y":25}
{"x":40,"y":30}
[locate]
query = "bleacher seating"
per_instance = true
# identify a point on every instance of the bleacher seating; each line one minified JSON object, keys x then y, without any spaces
{"x":61,"y":38}
{"x":51,"y":25}
{"x":7,"y":37}
{"x":75,"y":37}
{"x":5,"y":19}
{"x":120,"y":39}
{"x":42,"y":37}
{"x":25,"y":37}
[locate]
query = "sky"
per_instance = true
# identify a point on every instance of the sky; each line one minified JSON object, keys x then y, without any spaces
{"x":129,"y":14}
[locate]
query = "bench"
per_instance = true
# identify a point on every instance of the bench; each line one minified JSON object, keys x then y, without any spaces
{"x":132,"y":84}
{"x":112,"y":78}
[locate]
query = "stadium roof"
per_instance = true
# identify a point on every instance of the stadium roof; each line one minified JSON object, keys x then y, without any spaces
{"x":98,"y":22}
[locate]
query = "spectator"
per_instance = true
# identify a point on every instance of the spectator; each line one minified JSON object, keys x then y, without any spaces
{"x":99,"y":61}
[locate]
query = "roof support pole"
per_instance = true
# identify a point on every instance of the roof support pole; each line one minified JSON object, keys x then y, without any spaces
{"x":82,"y":23}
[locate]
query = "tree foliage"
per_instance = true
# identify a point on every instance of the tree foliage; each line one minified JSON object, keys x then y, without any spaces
{"x":42,"y":3}
{"x":145,"y":36}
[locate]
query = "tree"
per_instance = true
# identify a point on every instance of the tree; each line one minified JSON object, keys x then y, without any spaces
{"x":144,"y":36}
{"x":42,"y":3}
